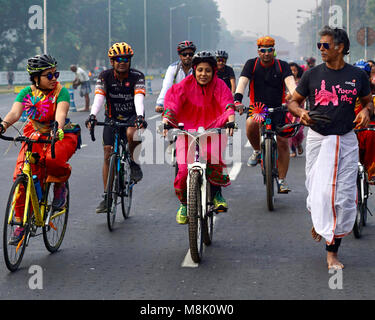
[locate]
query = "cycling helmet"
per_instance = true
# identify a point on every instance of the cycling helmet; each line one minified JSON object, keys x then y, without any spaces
{"x":186,"y":45}
{"x":221,"y":54}
{"x":204,"y":56}
{"x":39,"y":63}
{"x":365,"y":66}
{"x":120,"y":49}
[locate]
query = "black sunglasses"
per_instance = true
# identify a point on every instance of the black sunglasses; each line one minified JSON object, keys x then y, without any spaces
{"x":50,"y":75}
{"x":324,"y":44}
{"x":185,"y":54}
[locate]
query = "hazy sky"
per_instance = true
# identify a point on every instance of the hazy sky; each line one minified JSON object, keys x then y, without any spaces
{"x":250,"y":16}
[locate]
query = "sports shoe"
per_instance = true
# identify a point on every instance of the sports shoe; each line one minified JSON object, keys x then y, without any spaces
{"x":135,"y":172}
{"x":181,"y":216}
{"x":17,"y":236}
{"x":220,"y":204}
{"x":254,"y":159}
{"x":283,"y":186}
{"x":60,"y":194}
{"x":102,"y":207}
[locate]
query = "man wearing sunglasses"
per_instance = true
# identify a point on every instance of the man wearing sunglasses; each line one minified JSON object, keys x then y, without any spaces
{"x":225,"y":72}
{"x":268,"y":79}
{"x":177,"y":71}
{"x":122,"y":88}
{"x":82,"y":79}
{"x":332,"y":149}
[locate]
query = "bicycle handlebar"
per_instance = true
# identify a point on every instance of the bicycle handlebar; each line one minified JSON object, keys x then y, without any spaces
{"x":28,"y":140}
{"x":371,"y":127}
{"x":110,"y":123}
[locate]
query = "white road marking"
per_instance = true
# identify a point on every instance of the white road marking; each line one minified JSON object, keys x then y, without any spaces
{"x":154,"y":117}
{"x":248,"y":145}
{"x":236,"y":169}
{"x":188,"y":261}
{"x":84,"y":145}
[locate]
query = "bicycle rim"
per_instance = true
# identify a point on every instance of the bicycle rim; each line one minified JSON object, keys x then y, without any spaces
{"x":54,"y":232}
{"x":208,"y":222}
{"x":112,"y":193}
{"x":268,"y":170}
{"x":13,"y":254}
{"x":195,"y":217}
{"x":127,"y":192}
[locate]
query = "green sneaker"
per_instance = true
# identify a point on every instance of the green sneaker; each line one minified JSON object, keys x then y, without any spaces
{"x":181,"y":216}
{"x":220,"y":204}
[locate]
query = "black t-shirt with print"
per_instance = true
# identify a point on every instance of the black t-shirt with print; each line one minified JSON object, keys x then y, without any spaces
{"x":334,"y":93}
{"x":267,"y":84}
{"x":226,"y":74}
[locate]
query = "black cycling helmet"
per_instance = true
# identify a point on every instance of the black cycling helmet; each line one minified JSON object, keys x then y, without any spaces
{"x":186,"y":45}
{"x":39,"y":63}
{"x":221,"y":54}
{"x":204,"y":56}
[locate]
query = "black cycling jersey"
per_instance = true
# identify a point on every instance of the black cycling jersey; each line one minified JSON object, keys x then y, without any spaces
{"x":267,"y":84}
{"x":120,"y":94}
{"x":226,"y":75}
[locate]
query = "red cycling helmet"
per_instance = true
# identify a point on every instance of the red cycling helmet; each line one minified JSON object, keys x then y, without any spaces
{"x":186,"y":45}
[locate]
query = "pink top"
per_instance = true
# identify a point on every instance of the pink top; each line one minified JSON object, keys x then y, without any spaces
{"x":199,"y":106}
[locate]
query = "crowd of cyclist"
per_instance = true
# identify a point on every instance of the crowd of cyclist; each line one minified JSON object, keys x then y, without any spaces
{"x":200,"y":90}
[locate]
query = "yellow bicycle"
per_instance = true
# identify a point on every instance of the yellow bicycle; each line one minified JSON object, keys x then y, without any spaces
{"x":38,"y":211}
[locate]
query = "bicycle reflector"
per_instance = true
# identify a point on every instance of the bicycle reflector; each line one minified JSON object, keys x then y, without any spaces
{"x":258,"y":112}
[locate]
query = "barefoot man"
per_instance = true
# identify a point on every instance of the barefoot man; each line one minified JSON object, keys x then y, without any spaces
{"x":332,"y":149}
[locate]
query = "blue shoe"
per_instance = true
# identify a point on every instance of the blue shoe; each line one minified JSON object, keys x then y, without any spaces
{"x":60,"y":196}
{"x":17,"y":236}
{"x":254,"y":159}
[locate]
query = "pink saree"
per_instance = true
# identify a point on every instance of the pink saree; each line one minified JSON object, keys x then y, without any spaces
{"x":199,"y":106}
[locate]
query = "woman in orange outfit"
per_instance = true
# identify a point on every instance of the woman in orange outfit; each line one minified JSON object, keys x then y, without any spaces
{"x":45,"y":102}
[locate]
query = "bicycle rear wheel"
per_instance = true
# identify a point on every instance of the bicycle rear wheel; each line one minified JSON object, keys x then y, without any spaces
{"x":208,"y":221}
{"x":13,"y":253}
{"x":269,"y":163}
{"x":54,"y":230}
{"x":195,"y":217}
{"x":127,"y":191}
{"x":112,"y":192}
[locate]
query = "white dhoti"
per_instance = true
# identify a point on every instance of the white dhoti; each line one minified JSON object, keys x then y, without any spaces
{"x":331,"y":182}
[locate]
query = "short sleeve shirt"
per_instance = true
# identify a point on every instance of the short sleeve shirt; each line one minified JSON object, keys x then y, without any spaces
{"x":120,"y":94}
{"x":267,"y":84}
{"x":226,"y":75}
{"x":63,"y":95}
{"x":334,"y":93}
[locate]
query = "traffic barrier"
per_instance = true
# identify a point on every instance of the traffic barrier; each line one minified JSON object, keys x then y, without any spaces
{"x":72,"y":103}
{"x":148,"y":86}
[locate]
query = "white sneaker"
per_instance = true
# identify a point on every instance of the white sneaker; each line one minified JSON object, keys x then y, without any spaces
{"x":254,"y":159}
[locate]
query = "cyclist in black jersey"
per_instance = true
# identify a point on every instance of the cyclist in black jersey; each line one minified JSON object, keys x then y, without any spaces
{"x":225,"y":72}
{"x":122,"y":89}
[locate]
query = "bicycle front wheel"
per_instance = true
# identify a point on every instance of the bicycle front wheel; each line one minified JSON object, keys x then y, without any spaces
{"x":13,"y":252}
{"x":208,"y":221}
{"x":268,"y":171}
{"x":112,"y":192}
{"x":358,"y":224}
{"x":55,"y":227}
{"x":195,"y":217}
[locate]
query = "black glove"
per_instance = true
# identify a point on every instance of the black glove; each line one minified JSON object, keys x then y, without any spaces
{"x":2,"y":129}
{"x":91,"y":119}
{"x":140,"y":122}
{"x":231,"y":125}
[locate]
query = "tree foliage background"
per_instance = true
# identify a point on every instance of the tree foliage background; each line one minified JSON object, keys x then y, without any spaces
{"x":78,"y":30}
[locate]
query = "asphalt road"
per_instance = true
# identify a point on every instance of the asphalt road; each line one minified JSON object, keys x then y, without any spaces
{"x":256,"y":254}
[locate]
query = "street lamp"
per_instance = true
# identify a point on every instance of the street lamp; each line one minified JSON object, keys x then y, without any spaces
{"x":189,"y":23}
{"x":145,"y":34}
{"x":170,"y":29}
{"x":268,"y":16}
{"x":202,"y":34}
{"x":109,"y":25}
{"x":45,"y":27}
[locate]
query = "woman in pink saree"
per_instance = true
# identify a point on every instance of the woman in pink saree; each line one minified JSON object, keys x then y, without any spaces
{"x":200,"y":100}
